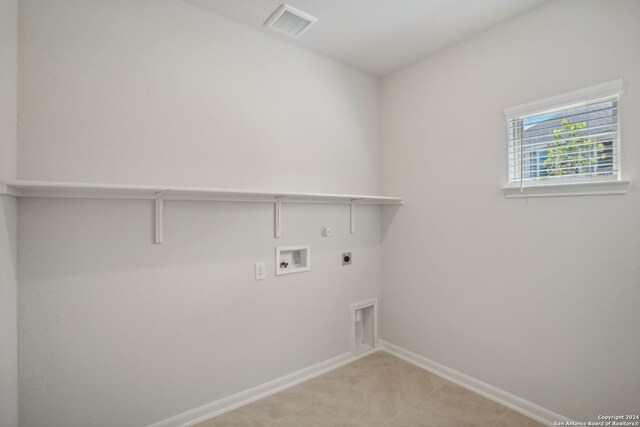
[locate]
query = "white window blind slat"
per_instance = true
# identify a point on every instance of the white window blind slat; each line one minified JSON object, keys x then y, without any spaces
{"x":591,"y":115}
{"x":597,"y":174}
{"x":594,"y":106}
{"x":531,"y":145}
{"x":609,"y":152}
{"x":589,"y":169}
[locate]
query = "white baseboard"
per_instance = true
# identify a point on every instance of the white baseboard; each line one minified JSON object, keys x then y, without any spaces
{"x":516,"y":403}
{"x":228,"y":403}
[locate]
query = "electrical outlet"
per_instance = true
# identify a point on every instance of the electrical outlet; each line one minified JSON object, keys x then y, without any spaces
{"x":261,"y":270}
{"x":346,"y":258}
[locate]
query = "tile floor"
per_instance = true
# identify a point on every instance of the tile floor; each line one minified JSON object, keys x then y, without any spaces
{"x":377,"y":390}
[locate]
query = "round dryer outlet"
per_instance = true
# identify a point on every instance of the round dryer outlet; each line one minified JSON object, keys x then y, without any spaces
{"x":346,"y":258}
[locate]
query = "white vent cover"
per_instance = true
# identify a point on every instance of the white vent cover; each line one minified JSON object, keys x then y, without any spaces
{"x":290,"y":21}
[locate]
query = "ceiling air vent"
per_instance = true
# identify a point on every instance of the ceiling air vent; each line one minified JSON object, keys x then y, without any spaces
{"x":290,"y":21}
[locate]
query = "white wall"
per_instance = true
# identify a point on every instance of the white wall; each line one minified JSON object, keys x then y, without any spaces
{"x":115,"y":331}
{"x":162,"y":92}
{"x":8,"y":87}
{"x":8,"y":215}
{"x":8,"y":313}
{"x":537,"y":297}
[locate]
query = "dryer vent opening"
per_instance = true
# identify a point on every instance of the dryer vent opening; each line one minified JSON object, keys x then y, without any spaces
{"x":364,"y":326}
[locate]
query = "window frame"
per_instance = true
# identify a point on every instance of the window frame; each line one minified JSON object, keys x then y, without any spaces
{"x":571,"y":186}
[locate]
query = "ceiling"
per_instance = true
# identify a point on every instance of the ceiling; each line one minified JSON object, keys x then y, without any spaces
{"x":377,"y":36}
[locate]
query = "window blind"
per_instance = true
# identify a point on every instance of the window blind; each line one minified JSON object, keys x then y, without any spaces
{"x":573,"y":143}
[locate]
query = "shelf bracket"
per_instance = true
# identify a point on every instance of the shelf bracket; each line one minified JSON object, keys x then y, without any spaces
{"x":159,"y":232}
{"x":278,"y":217}
{"x":353,"y":216}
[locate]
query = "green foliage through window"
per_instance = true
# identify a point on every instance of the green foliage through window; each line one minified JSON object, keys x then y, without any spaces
{"x":570,"y":152}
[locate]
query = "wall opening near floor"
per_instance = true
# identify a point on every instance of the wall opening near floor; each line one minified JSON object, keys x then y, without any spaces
{"x":364,"y":326}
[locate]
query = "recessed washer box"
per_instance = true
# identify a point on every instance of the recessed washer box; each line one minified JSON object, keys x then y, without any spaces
{"x":292,"y":259}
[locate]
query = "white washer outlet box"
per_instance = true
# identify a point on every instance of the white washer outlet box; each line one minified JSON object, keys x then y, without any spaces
{"x":292,"y":259}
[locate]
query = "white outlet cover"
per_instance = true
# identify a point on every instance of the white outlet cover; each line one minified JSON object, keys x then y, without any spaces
{"x":261,"y":270}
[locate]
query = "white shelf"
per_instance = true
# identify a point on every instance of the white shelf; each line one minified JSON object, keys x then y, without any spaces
{"x":161,"y":193}
{"x":108,"y":191}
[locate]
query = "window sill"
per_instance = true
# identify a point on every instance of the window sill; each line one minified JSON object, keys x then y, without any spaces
{"x":571,"y":189}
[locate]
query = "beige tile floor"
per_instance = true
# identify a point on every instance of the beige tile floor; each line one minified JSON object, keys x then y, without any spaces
{"x":377,"y":390}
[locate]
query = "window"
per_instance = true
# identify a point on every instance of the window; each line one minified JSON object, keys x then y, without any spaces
{"x":569,"y":139}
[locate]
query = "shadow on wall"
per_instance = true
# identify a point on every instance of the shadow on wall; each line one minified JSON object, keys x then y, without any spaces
{"x":8,"y":212}
{"x":388,"y":215}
